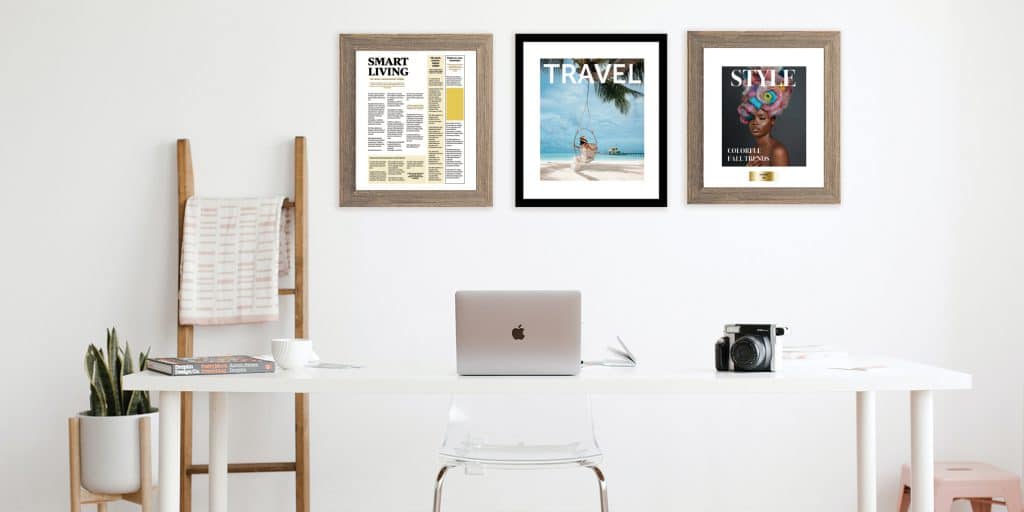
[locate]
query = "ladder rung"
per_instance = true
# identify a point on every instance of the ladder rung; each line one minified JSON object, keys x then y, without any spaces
{"x":989,"y":501}
{"x":246,"y":467}
{"x":286,"y":291}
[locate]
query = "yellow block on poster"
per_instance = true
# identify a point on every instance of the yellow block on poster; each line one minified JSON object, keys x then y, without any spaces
{"x":454,"y":108}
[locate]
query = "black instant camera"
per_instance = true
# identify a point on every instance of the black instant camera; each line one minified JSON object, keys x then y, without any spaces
{"x":749,"y":348}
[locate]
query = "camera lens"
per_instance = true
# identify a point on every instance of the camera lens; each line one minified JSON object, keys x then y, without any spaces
{"x":749,"y":352}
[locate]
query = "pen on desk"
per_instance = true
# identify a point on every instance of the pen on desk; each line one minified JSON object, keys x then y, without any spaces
{"x":334,"y":366}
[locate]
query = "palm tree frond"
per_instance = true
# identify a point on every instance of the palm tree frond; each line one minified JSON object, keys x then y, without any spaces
{"x":617,"y":94}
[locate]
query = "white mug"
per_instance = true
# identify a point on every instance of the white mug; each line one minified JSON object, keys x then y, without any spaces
{"x":291,"y":352}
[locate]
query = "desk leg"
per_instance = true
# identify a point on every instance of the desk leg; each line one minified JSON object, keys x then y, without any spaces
{"x":922,"y":452}
{"x":170,"y":444}
{"x":218,"y":452}
{"x":867,"y":472}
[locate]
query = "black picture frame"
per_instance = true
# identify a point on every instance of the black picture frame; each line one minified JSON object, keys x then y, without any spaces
{"x":662,"y":137}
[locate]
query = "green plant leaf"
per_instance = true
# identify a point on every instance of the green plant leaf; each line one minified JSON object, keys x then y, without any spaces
{"x":128,"y":370}
{"x":146,"y":407}
{"x":115,"y":366}
{"x":90,"y":360}
{"x":134,"y":403}
{"x":105,"y":382}
{"x":115,"y":373}
{"x":97,"y":406}
{"x":111,"y":347}
{"x":98,"y":396}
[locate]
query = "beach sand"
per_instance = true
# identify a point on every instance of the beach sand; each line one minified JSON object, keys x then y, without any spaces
{"x":626,"y":170}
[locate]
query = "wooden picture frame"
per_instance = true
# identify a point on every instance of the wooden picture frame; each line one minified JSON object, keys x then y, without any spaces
{"x":553,"y":178}
{"x":757,"y":43}
{"x":480,"y":195}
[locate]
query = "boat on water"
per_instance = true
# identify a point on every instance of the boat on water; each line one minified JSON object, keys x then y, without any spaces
{"x":614,"y":150}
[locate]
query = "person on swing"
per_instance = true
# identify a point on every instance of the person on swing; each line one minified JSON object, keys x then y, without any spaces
{"x":586,"y":154}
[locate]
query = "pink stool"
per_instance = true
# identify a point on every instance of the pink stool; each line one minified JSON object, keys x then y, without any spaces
{"x":974,"y":481}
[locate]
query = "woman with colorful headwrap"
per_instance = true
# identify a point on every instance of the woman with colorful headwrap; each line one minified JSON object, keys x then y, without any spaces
{"x":762,"y":102}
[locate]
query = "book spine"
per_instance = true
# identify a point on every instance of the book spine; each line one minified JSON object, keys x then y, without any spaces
{"x":250,"y":369}
{"x":210,"y":368}
{"x":160,"y":367}
{"x":246,"y":364}
{"x":233,"y":368}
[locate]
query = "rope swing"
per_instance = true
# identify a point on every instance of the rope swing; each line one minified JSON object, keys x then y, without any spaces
{"x":586,"y":132}
{"x":584,"y":156}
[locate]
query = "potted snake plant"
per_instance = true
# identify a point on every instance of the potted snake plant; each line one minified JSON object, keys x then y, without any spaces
{"x":109,"y":431}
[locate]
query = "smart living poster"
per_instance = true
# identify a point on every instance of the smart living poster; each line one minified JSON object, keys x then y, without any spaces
{"x":592,"y":119}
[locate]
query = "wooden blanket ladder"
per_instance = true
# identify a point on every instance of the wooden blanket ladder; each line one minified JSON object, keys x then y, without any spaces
{"x":300,"y":466}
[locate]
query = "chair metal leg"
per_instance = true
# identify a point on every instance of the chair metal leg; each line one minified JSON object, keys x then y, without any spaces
{"x":438,"y":485}
{"x":602,"y":486}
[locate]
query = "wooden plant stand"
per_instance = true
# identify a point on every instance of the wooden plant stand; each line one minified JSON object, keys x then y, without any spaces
{"x":80,"y":496}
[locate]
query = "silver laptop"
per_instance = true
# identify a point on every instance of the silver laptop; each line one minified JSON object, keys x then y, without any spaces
{"x":517,"y":332}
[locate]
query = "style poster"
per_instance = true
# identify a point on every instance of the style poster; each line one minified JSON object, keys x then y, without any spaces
{"x":590,"y":120}
{"x":764,"y":121}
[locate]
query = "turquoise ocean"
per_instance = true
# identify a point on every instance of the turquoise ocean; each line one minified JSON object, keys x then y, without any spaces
{"x":600,"y":157}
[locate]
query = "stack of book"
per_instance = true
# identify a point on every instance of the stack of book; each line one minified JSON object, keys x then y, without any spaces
{"x":215,"y":365}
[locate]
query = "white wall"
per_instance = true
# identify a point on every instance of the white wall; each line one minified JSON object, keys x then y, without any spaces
{"x":921,"y":259}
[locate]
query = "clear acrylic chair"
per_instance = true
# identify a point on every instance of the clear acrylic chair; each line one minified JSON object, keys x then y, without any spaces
{"x":521,"y":431}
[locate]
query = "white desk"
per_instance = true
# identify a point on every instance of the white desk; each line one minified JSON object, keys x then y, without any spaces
{"x":797,"y":376}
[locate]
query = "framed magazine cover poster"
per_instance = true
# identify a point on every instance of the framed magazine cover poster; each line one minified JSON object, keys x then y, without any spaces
{"x":590,"y":120}
{"x":415,"y":119}
{"x":763,"y":117}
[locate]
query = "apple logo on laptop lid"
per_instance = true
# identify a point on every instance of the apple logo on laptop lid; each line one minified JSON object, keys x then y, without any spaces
{"x":519,"y":333}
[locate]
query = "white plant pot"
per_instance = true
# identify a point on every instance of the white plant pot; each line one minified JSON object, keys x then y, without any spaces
{"x":110,"y":451}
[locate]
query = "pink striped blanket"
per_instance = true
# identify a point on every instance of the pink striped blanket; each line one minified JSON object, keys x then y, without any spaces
{"x":233,"y":251}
